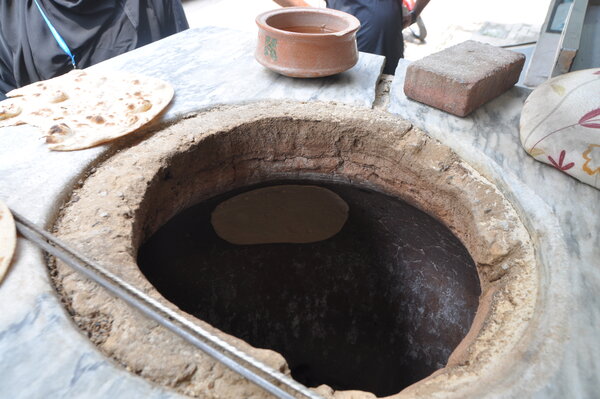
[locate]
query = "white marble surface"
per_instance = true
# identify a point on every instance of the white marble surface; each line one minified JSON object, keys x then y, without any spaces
{"x":563,"y":216}
{"x":210,"y":66}
{"x":42,"y":353}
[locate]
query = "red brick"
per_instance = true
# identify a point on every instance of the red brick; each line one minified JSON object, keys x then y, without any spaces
{"x":461,"y":78}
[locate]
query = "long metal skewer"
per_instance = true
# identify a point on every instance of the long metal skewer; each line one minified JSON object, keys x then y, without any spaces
{"x":189,"y":331}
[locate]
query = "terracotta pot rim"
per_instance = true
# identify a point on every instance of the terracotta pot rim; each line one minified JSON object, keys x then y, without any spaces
{"x":351,"y":20}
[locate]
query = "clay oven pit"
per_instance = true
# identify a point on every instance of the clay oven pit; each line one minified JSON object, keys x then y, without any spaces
{"x":425,"y":291}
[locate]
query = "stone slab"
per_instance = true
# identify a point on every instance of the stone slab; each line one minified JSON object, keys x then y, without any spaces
{"x":463,"y":77}
{"x":42,"y":353}
{"x":489,"y":140}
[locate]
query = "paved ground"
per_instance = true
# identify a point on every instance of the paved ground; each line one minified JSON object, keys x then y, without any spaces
{"x":503,"y":23}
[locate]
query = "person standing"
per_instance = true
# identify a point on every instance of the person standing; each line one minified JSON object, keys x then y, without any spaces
{"x":381,"y":25}
{"x":41,"y":39}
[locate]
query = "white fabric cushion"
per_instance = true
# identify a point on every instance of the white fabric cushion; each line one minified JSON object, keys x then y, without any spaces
{"x":560,"y":124}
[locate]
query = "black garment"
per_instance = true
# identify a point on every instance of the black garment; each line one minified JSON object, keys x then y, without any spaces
{"x":381,"y":27}
{"x":94,"y":30}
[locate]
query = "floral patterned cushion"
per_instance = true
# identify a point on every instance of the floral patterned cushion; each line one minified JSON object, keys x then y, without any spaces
{"x":560,"y":124}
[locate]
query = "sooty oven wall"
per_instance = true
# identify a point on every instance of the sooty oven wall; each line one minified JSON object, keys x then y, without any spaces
{"x":377,"y":307}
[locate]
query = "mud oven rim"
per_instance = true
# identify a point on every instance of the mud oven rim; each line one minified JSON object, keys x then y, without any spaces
{"x":510,"y":274}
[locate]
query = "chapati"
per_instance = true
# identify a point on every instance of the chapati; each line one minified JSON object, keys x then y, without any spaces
{"x":280,"y":214}
{"x":82,"y":109}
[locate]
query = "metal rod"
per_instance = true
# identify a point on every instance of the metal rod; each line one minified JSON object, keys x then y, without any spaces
{"x":158,"y":312}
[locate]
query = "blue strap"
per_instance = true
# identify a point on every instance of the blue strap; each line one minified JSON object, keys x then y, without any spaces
{"x":56,"y":35}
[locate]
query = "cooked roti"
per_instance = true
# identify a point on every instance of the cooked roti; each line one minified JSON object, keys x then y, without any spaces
{"x":8,"y":239}
{"x":82,"y":109}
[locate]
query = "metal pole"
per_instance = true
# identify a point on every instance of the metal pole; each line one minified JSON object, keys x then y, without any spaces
{"x":153,"y":309}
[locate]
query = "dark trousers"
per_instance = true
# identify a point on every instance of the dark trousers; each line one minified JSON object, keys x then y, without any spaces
{"x":381,"y":27}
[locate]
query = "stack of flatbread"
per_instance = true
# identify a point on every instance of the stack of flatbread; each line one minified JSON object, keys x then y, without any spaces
{"x":8,"y":239}
{"x":82,"y":109}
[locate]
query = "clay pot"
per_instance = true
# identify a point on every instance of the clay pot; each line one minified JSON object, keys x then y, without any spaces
{"x":307,"y":42}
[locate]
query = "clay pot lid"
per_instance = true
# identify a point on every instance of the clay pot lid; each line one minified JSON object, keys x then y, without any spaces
{"x":341,"y":23}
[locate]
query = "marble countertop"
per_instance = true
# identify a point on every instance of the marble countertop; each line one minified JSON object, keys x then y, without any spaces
{"x":563,"y":218}
{"x":43,"y":353}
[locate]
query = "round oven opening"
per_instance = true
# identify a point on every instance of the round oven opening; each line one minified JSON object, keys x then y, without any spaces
{"x":377,"y":307}
{"x":428,"y":287}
